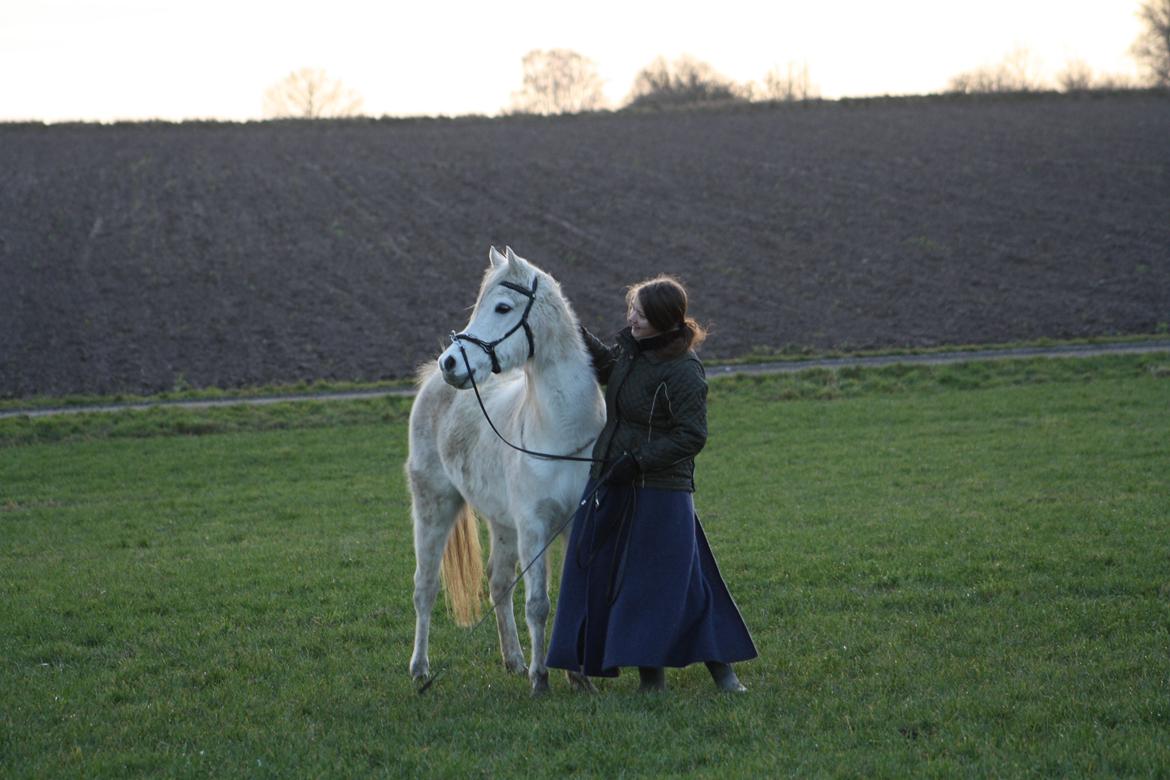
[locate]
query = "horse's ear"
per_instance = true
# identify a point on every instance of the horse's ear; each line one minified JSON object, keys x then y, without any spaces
{"x":495,"y":258}
{"x":510,"y":254}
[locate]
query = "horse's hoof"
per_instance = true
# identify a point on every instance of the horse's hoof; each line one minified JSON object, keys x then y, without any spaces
{"x":540,"y":683}
{"x":581,"y":683}
{"x":420,"y":672}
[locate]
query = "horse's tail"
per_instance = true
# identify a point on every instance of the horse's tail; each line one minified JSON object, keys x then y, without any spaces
{"x":462,"y":569}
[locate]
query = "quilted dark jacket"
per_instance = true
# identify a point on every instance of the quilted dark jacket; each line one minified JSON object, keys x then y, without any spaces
{"x":655,"y":409}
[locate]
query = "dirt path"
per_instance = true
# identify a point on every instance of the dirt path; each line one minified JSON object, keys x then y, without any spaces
{"x":713,"y":372}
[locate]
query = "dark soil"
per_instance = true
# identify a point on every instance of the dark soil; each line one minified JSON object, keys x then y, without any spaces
{"x":137,"y":258}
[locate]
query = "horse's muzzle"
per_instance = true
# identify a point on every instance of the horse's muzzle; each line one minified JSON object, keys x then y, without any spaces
{"x":454,"y":370}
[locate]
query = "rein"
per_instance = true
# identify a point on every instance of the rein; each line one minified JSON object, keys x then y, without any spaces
{"x":496,"y":431}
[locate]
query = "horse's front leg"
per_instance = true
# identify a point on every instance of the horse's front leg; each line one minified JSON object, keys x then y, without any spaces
{"x":536,"y":603}
{"x":501,"y":572}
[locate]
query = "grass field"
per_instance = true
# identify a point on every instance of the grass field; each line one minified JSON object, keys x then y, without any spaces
{"x":951,"y":570}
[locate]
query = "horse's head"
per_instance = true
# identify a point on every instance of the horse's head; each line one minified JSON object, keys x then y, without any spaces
{"x":499,"y":335}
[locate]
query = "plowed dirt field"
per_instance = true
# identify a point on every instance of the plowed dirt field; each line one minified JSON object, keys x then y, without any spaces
{"x":141,"y":257}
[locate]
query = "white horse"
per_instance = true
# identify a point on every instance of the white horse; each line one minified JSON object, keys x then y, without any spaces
{"x":543,"y":397}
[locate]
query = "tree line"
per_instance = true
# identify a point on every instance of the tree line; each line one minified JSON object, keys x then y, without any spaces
{"x":562,"y":81}
{"x":559,"y":81}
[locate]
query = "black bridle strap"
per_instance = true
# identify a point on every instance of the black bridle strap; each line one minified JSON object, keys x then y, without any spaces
{"x":490,"y":346}
{"x":524,"y":317}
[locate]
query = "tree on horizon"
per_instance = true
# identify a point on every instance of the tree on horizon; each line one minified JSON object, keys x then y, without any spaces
{"x":309,"y":93}
{"x":790,"y":84}
{"x":1017,"y":72}
{"x":558,"y":81}
{"x":1152,"y":48}
{"x":682,"y":82}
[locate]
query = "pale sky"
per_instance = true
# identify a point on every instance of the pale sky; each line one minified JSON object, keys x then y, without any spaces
{"x":183,"y":59}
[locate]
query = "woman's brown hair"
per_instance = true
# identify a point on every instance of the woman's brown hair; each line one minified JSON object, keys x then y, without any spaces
{"x":663,"y":301}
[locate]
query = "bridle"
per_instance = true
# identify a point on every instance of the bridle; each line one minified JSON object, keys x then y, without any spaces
{"x":490,"y":346}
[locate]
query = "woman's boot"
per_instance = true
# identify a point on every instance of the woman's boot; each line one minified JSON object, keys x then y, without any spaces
{"x":724,"y":677}
{"x":653,"y":679}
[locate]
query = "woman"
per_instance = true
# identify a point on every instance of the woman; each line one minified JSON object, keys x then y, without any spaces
{"x":640,"y":586}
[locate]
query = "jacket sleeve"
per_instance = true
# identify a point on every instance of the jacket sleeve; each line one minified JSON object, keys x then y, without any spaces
{"x":604,"y":357}
{"x":686,"y":393}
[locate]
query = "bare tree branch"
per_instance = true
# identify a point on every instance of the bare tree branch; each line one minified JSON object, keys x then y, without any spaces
{"x":684,"y":81}
{"x":1077,"y":76}
{"x":558,"y":81}
{"x":1152,"y":48}
{"x":791,"y":84}
{"x":1017,"y":72}
{"x":310,"y":94}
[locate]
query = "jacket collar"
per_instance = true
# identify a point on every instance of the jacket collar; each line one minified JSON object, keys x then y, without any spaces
{"x":648,"y":347}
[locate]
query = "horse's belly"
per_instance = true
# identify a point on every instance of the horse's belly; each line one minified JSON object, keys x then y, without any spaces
{"x":547,"y":493}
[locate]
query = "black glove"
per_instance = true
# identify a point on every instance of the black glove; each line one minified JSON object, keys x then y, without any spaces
{"x":623,"y":471}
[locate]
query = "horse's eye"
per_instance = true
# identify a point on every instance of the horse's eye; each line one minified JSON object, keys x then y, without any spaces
{"x":503,"y":308}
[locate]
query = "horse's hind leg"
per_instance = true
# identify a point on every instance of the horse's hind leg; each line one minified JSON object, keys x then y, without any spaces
{"x":501,"y":573}
{"x":434,"y":511}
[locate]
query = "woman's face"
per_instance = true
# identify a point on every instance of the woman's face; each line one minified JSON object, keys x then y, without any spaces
{"x":640,"y":327}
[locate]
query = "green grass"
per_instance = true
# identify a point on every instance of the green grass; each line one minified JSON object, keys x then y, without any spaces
{"x":175,"y":421}
{"x":799,"y":353}
{"x":182,"y":392}
{"x":949,"y":570}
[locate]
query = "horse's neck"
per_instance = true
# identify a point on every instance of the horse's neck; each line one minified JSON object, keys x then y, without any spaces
{"x":561,"y":392}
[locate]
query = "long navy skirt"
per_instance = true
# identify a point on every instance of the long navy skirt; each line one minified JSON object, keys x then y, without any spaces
{"x":640,"y":587}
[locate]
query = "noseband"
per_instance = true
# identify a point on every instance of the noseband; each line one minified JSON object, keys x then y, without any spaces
{"x":490,"y":346}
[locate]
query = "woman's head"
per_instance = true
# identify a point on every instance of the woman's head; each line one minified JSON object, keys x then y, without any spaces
{"x":659,"y":305}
